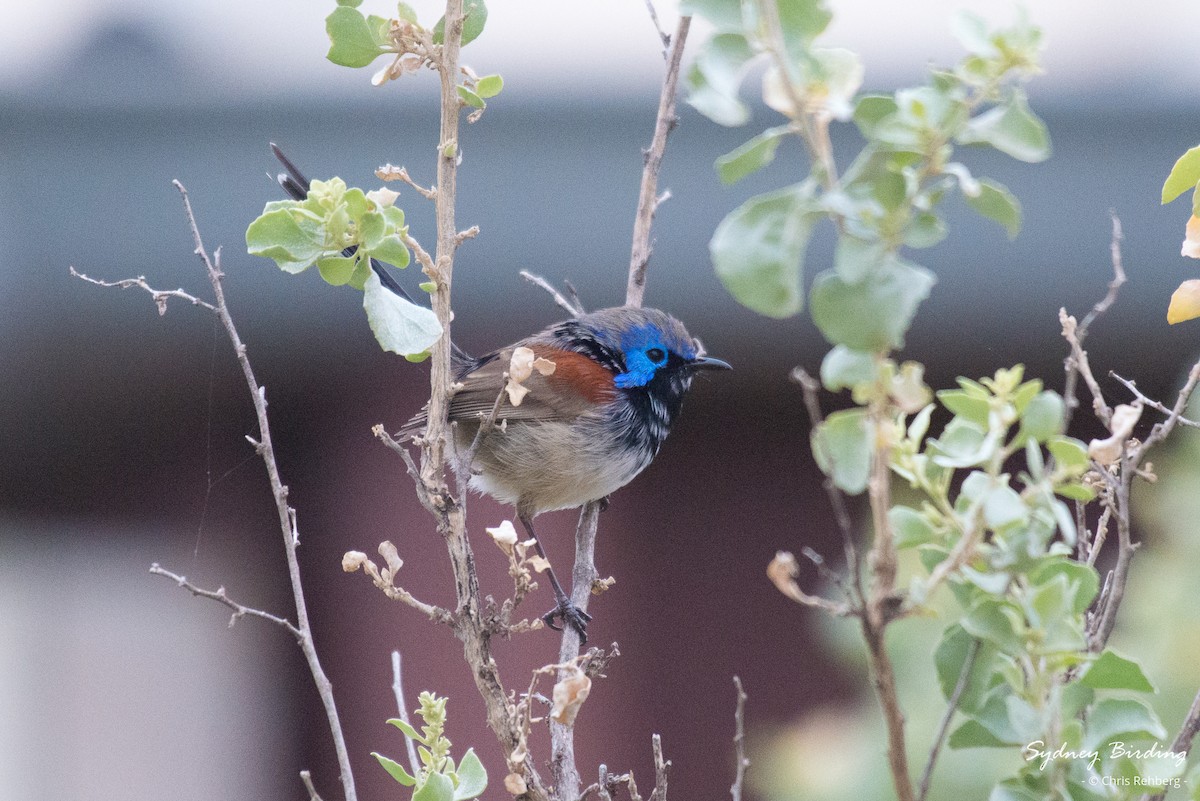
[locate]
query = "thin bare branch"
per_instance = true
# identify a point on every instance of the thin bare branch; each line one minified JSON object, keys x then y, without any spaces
{"x":1183,"y":741}
{"x":1073,"y":363}
{"x":663,"y":36}
{"x":1078,"y":362}
{"x":939,"y":739}
{"x":811,"y":389}
{"x":739,"y":741}
{"x":306,"y":777}
{"x":286,"y":514}
{"x":1153,"y":404}
{"x":662,"y":768}
{"x":584,"y":575}
{"x":570,"y":305}
{"x":160,"y":296}
{"x":390,"y":172}
{"x":639,"y":259}
{"x":414,"y":764}
{"x":218,"y":595}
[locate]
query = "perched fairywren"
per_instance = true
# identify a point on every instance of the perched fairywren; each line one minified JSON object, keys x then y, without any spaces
{"x":594,"y":415}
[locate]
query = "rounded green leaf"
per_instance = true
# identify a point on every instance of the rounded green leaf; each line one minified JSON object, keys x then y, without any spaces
{"x":758,"y":250}
{"x":910,"y":527}
{"x":1183,"y":176}
{"x":475,"y":15}
{"x":1113,"y":672}
{"x":843,"y":368}
{"x":715,"y":76}
{"x":489,"y":86}
{"x":1121,"y":718}
{"x":470,"y":98}
{"x":1011,"y":128}
{"x":1043,"y":417}
{"x":725,"y":15}
{"x":336,"y":270}
{"x":395,"y":769}
{"x":352,"y":43}
{"x":279,"y":235}
{"x":399,"y":326}
{"x":854,"y":259}
{"x":750,"y":157}
{"x":872,"y":315}
{"x":843,"y":448}
{"x":996,"y":203}
{"x":393,"y":251}
{"x":1070,"y":454}
{"x":950,"y":657}
{"x":996,"y":623}
{"x":472,"y":777}
{"x":436,"y":788}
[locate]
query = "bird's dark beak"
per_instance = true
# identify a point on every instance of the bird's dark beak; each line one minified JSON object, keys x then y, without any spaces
{"x":709,"y":363}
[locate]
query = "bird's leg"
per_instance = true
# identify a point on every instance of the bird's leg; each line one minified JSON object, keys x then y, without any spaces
{"x":570,"y":614}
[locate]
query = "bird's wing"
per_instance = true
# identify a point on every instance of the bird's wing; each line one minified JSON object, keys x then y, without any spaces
{"x":576,"y":386}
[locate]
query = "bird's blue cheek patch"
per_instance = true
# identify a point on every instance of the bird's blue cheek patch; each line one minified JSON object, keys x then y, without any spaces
{"x":639,"y":373}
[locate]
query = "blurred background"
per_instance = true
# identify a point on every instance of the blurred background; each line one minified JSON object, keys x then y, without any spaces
{"x":122,"y":432}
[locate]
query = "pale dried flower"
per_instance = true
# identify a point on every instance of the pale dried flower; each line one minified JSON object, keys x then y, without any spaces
{"x":569,"y":694}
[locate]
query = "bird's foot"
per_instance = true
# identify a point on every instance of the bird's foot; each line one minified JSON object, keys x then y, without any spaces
{"x":571,"y":615}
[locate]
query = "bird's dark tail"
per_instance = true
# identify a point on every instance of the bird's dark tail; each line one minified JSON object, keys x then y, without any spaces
{"x":296,"y":185}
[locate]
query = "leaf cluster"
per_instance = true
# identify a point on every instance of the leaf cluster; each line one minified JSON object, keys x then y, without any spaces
{"x":889,"y":196}
{"x":341,"y":229}
{"x":438,"y":779}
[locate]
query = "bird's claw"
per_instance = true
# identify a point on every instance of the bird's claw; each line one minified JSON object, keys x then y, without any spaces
{"x":571,"y":615}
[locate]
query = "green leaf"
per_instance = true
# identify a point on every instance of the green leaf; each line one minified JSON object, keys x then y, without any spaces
{"x":758,"y":250}
{"x":995,"y":202}
{"x":399,"y":326}
{"x":972,"y":33}
{"x":966,"y":405}
{"x":1121,"y":718}
{"x":715,"y":76}
{"x":408,"y":730}
{"x":1183,"y":176}
{"x":973,"y":734}
{"x":870,"y":111}
{"x":872,"y":315}
{"x":470,"y":98}
{"x":391,"y":250}
{"x":396,"y":770}
{"x":475,"y":15}
{"x":406,"y":12}
{"x":351,"y":3}
{"x":950,"y":657}
{"x":336,"y":270}
{"x":845,"y":368}
{"x":280,"y":235}
{"x":1011,"y":128}
{"x":352,"y":43}
{"x":843,"y":448}
{"x":995,"y":622}
{"x":489,"y":86}
{"x":1004,"y":507}
{"x":801,"y":22}
{"x":751,"y":156}
{"x":472,"y":777}
{"x":1043,"y":417}
{"x":1070,"y":454}
{"x":1013,"y":790}
{"x":1113,"y":672}
{"x":1083,"y":576}
{"x":855,"y":259}
{"x":725,"y":15}
{"x":910,"y":527}
{"x":436,"y":788}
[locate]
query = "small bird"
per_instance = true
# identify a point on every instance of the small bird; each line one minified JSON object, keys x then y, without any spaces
{"x":609,"y":385}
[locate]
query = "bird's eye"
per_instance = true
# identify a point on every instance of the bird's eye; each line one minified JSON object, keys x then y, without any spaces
{"x":656,"y":355}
